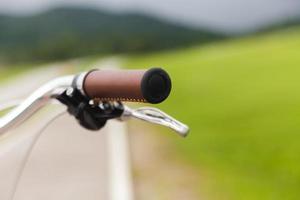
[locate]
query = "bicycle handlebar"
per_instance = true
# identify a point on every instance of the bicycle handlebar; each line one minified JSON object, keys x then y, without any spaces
{"x":151,"y":86}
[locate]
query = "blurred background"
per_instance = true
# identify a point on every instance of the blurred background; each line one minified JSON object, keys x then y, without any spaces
{"x":235,"y":68}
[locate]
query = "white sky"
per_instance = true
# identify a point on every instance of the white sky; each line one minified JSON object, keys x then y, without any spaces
{"x":224,"y":14}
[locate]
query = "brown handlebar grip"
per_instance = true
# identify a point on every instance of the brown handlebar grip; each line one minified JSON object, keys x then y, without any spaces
{"x":152,"y":86}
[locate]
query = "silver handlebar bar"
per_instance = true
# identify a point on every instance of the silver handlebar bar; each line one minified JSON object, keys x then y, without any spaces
{"x":34,"y":102}
{"x":52,"y":89}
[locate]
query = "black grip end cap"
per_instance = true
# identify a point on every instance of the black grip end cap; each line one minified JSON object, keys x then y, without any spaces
{"x":156,"y":85}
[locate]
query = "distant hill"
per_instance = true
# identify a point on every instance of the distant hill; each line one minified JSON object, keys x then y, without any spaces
{"x":70,"y":32}
{"x":285,"y":24}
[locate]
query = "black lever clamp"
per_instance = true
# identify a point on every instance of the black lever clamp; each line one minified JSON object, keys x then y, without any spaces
{"x":90,"y":115}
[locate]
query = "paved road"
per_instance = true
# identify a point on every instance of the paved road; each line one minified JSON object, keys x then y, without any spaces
{"x":67,"y":162}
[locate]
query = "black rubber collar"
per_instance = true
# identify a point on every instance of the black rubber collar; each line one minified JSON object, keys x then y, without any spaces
{"x":156,"y":85}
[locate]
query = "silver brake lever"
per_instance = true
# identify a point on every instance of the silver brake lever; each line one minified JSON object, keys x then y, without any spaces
{"x":156,"y":116}
{"x":152,"y":115}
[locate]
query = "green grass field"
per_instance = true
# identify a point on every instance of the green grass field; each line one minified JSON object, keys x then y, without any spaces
{"x":241,"y":99}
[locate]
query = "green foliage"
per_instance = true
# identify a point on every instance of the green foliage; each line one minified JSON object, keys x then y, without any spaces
{"x":241,"y":99}
{"x":71,"y":32}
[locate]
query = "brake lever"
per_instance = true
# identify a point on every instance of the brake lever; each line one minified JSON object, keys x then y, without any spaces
{"x":156,"y":116}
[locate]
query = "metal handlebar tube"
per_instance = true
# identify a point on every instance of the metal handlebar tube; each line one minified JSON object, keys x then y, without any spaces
{"x":34,"y":102}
